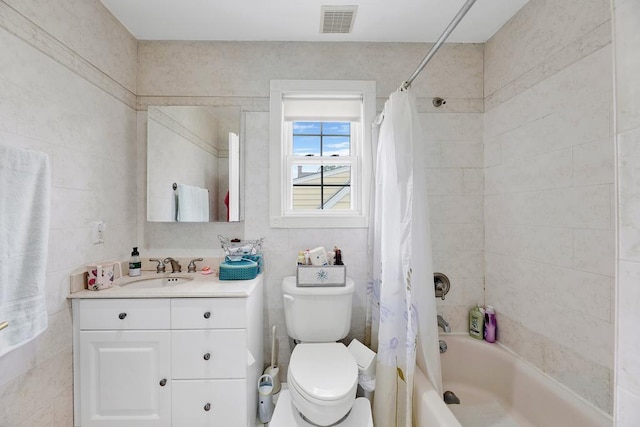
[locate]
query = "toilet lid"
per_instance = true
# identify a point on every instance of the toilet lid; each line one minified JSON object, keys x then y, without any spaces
{"x":324,"y":371}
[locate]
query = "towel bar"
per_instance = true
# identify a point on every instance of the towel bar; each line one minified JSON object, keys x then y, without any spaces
{"x":3,"y":325}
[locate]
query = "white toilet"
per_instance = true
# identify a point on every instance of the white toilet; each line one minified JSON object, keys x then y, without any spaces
{"x":323,"y":374}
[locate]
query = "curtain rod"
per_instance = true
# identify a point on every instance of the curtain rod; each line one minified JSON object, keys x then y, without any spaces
{"x":443,"y":37}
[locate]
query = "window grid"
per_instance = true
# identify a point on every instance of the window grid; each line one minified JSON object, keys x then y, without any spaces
{"x":322,"y":136}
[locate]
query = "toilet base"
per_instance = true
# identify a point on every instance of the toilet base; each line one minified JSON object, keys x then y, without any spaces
{"x":285,"y":415}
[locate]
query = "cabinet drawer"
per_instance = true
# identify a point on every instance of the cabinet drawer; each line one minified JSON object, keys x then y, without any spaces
{"x":209,"y":353}
{"x":205,"y":313}
{"x":124,"y":314}
{"x":209,"y":403}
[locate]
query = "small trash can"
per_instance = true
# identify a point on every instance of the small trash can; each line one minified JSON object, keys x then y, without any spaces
{"x":265,"y":400}
{"x":366,"y":360}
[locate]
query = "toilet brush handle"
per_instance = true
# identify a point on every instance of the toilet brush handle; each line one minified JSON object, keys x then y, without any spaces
{"x":273,"y":346}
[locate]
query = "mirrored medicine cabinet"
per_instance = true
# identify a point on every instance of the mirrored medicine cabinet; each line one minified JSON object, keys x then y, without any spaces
{"x":193,"y":163}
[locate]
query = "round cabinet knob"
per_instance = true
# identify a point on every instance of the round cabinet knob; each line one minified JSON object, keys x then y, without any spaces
{"x":163,"y":382}
{"x":207,"y":407}
{"x":207,"y":315}
{"x":122,"y":316}
{"x":207,"y":356}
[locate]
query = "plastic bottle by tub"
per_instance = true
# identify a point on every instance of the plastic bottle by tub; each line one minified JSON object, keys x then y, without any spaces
{"x":490,"y":324}
{"x":135,"y":266}
{"x":476,"y":323}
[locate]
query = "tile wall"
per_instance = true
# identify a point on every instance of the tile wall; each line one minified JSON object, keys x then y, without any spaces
{"x":549,"y":191}
{"x":238,"y":73}
{"x":627,"y":71}
{"x":55,"y":100}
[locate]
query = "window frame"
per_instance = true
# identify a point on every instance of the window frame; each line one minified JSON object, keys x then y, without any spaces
{"x":281,"y":158}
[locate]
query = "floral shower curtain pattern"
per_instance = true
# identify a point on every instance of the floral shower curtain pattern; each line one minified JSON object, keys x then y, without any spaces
{"x":403,"y":311}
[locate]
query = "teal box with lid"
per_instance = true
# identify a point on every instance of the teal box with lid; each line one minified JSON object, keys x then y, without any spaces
{"x":244,"y":269}
{"x":257,"y":258}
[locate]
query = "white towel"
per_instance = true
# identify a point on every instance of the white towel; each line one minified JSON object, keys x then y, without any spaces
{"x":25,"y":184}
{"x":193,"y":204}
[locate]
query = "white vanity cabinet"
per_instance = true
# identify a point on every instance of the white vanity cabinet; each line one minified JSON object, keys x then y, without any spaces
{"x":173,"y":361}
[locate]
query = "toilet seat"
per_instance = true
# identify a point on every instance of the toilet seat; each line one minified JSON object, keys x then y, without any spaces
{"x":323,"y":373}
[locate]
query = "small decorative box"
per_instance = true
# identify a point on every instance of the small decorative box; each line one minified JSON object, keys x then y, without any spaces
{"x":323,"y":275}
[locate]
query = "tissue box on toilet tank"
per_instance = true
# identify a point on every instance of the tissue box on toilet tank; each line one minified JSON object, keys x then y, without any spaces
{"x":321,"y":275}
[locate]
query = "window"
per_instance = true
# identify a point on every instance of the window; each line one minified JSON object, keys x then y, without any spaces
{"x":326,"y":182}
{"x":320,"y":157}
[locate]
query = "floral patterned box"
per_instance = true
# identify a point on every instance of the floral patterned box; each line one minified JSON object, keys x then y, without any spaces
{"x":320,"y":276}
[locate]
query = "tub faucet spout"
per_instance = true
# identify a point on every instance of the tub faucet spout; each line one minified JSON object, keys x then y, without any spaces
{"x":443,"y":324}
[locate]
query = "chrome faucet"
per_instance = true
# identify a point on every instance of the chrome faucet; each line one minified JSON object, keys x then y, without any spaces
{"x":160,"y":266}
{"x":175,"y":265}
{"x":192,"y":265}
{"x":443,"y":324}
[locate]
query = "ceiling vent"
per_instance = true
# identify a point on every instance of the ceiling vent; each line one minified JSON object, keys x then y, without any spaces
{"x":337,"y":19}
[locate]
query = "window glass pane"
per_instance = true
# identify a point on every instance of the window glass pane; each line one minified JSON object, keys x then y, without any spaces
{"x":306,"y":198}
{"x":336,"y":128}
{"x":335,"y":200}
{"x":337,"y":175}
{"x":336,"y":145}
{"x":309,"y":172}
{"x":306,"y":145}
{"x":306,"y":128}
{"x":315,"y":187}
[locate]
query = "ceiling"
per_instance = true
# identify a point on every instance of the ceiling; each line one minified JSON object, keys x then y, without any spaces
{"x":299,"y":20}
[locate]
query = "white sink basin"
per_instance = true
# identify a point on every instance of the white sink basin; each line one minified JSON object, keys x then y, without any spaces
{"x":156,"y":282}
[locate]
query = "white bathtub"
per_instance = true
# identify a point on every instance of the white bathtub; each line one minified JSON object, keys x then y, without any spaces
{"x":497,"y":388}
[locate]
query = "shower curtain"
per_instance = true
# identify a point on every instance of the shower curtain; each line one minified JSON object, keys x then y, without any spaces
{"x":404,"y":329}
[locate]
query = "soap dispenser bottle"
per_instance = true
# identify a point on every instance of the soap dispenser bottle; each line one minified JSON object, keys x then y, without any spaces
{"x":476,"y":323}
{"x":135,"y":266}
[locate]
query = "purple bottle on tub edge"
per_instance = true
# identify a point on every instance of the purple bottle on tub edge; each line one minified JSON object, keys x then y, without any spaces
{"x":490,"y":324}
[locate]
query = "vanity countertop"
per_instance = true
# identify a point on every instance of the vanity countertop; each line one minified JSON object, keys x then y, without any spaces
{"x":201,"y":286}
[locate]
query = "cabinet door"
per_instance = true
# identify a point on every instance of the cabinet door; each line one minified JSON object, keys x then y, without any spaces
{"x":210,"y":403}
{"x":125,"y":378}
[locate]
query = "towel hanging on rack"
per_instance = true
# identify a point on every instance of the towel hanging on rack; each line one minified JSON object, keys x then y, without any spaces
{"x":25,"y":186}
{"x":192,"y":204}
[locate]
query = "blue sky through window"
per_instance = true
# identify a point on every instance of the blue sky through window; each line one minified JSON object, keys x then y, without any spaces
{"x":321,"y":138}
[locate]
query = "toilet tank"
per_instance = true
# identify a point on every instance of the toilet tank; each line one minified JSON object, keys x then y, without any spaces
{"x":317,"y":314}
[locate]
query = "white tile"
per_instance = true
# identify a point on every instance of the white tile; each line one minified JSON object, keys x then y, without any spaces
{"x":459,"y":264}
{"x":627,"y":408}
{"x":546,"y":171}
{"x":457,"y":237}
{"x":628,"y":183}
{"x":590,"y":380}
{"x":461,"y":153}
{"x":56,"y":338}
{"x":594,"y":251}
{"x":535,"y":33}
{"x":442,"y":126}
{"x":627,"y":319}
{"x":444,"y":181}
{"x":593,"y":163}
{"x":544,"y":244}
{"x":473,"y":181}
{"x":456,"y":209}
{"x":627,"y":43}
